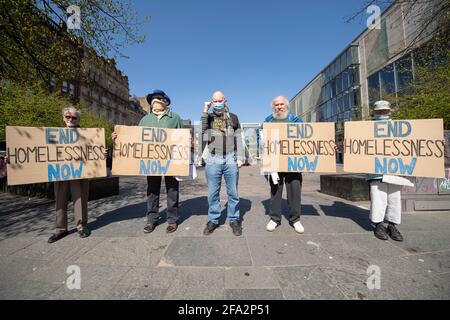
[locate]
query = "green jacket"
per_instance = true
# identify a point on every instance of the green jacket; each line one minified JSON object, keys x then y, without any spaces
{"x":170,"y":120}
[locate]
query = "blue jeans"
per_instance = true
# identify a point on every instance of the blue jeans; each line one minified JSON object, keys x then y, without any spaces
{"x":216,"y":166}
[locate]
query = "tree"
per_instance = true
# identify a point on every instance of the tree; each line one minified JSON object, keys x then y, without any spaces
{"x":36,"y":43}
{"x":39,"y":108}
{"x":429,"y":94}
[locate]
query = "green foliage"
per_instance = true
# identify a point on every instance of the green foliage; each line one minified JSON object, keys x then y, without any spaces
{"x":34,"y":106}
{"x":36,"y":43}
{"x":429,"y":95}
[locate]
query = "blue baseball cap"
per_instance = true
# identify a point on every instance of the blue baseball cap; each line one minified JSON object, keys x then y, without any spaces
{"x":157,"y":93}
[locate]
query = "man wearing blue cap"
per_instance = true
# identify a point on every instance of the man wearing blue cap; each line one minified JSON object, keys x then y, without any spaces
{"x":161,"y":116}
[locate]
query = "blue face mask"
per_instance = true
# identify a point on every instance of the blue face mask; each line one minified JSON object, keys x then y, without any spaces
{"x":381,"y":117}
{"x":219,"y":106}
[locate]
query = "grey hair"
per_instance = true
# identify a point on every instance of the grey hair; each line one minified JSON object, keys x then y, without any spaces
{"x":78,"y":112}
{"x":285,"y":100}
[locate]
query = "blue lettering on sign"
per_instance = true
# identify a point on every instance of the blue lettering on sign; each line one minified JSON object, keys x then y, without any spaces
{"x":61,"y":135}
{"x":153,"y":167}
{"x":394,"y":165}
{"x":64,"y":172}
{"x":154,"y":135}
{"x":384,"y":129}
{"x":302,"y":164}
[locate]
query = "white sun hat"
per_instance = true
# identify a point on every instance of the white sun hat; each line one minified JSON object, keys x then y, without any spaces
{"x":382,"y":105}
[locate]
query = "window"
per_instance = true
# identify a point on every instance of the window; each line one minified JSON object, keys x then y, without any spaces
{"x":343,"y":62}
{"x":373,"y":83}
{"x":332,"y":73}
{"x":355,"y":75}
{"x":64,"y":87}
{"x":347,"y":116}
{"x":403,"y":69}
{"x":351,"y":101}
{"x":72,"y":91}
{"x":387,"y":80}
{"x":345,"y":81}
{"x":52,"y":85}
{"x":334,"y":107}
{"x":346,"y":99}
{"x":338,"y":84}
{"x":349,"y":56}
{"x":340,"y":104}
{"x":354,"y":51}
{"x":333,"y":88}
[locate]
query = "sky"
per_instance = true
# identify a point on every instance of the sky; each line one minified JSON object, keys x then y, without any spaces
{"x":251,"y":50}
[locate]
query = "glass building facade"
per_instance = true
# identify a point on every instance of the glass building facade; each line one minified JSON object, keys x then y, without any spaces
{"x":341,"y":90}
{"x":391,"y":81}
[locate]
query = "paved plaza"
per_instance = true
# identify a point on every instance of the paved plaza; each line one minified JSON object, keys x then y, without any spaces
{"x":118,"y":261}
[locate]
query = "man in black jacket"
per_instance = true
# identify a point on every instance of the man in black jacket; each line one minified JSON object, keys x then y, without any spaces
{"x":225,"y":155}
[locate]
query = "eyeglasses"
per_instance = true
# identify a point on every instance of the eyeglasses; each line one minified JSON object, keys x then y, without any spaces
{"x":160,"y":99}
{"x":70,"y":117}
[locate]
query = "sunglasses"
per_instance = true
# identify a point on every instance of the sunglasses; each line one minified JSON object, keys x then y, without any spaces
{"x":70,"y":117}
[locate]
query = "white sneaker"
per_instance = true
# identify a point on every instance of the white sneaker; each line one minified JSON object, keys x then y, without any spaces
{"x":271,"y":225}
{"x":299,"y":227}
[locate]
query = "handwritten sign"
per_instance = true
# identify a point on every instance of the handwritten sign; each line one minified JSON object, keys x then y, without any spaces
{"x":402,"y":147}
{"x":298,"y":147}
{"x":54,"y":154}
{"x":151,"y":151}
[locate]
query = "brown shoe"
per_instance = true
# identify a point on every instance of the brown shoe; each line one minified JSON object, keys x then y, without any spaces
{"x":150,"y":227}
{"x":172,"y":227}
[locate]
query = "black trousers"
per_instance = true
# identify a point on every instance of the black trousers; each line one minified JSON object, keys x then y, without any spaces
{"x":153,"y":192}
{"x":293,"y":183}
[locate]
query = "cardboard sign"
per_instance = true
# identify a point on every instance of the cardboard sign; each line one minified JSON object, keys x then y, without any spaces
{"x":54,"y":154}
{"x":402,"y":147}
{"x":146,"y":151}
{"x":298,"y":147}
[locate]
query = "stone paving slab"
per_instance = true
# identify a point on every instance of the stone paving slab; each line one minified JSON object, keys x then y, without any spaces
{"x":130,"y":252}
{"x":208,"y":252}
{"x":197,"y":284}
{"x":118,"y":261}
{"x":253,"y":294}
{"x":307,"y":282}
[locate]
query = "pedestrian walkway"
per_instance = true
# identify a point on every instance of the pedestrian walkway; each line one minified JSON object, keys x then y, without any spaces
{"x":118,"y":261}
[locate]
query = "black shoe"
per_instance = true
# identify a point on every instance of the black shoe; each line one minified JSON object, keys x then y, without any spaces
{"x":210,"y":227}
{"x":236,"y":227}
{"x":57,"y":236}
{"x":150,"y":227}
{"x":84,"y":233}
{"x":394,"y":233}
{"x":380,"y":231}
{"x":172,"y":227}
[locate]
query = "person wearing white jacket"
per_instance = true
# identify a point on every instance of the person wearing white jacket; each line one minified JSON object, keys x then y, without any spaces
{"x":385,"y":191}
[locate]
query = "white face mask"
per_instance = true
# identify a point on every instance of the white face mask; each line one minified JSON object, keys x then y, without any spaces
{"x":381,"y":117}
{"x":158,"y":105}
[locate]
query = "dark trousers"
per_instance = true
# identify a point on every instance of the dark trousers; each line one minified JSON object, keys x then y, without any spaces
{"x":293,"y":183}
{"x":153,"y":192}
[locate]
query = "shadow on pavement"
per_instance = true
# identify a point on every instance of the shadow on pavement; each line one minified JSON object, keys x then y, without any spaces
{"x":343,"y":210}
{"x":305,"y":210}
{"x":199,"y":207}
{"x":134,"y":211}
{"x":195,"y":206}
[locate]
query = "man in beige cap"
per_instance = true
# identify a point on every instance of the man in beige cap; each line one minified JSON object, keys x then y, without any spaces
{"x":385,"y":197}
